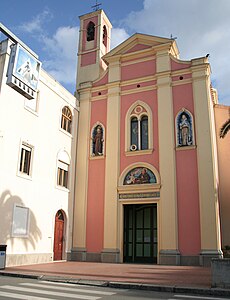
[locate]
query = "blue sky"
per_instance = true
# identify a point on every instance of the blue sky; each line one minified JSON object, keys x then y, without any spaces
{"x":50,"y":28}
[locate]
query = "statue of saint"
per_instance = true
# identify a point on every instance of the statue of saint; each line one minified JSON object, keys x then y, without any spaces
{"x":184,"y":130}
{"x":98,"y":141}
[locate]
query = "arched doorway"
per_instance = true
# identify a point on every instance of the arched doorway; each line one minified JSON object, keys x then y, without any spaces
{"x":139,"y":200}
{"x":58,"y":235}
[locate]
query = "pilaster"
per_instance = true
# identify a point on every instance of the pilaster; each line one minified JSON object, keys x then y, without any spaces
{"x":168,"y":245}
{"x":80,"y":207}
{"x":207,"y":172}
{"x":110,"y":252}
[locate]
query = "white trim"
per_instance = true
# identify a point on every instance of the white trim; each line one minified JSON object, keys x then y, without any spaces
{"x":63,"y":166}
{"x":65,"y":157}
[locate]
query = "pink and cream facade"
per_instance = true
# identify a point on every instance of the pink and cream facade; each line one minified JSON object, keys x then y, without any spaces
{"x":147,"y":169}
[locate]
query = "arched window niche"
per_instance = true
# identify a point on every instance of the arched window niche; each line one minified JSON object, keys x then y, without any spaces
{"x":139,"y":129}
{"x":184,"y":129}
{"x":90,"y":31}
{"x":97,"y":140}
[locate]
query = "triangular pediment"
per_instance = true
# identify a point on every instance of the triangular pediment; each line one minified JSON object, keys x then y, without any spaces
{"x":138,"y":42}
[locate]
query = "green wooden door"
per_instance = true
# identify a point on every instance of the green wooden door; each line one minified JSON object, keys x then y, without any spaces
{"x":140,"y":233}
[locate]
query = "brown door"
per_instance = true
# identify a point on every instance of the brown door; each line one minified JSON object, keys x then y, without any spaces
{"x":58,"y":235}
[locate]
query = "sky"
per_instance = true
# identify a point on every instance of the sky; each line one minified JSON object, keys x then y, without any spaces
{"x":51,"y":29}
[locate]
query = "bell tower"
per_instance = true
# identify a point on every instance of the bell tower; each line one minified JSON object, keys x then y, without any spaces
{"x":94,"y":42}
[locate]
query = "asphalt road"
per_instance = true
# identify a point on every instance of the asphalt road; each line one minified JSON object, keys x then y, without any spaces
{"x":31,"y":289}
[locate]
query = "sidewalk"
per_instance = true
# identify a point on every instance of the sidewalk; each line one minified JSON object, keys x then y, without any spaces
{"x":194,"y":280}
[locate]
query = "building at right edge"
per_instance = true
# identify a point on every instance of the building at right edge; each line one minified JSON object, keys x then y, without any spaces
{"x":151,"y":169}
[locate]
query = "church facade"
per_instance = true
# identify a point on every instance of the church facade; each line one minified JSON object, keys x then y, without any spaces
{"x":134,"y":168}
{"x":148,"y":184}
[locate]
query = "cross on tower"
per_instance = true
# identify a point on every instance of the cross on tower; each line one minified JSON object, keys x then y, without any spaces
{"x":96,"y":6}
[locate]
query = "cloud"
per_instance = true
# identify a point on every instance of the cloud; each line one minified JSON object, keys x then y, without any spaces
{"x":36,"y":24}
{"x":61,"y":51}
{"x":201,"y":27}
{"x":118,"y":35}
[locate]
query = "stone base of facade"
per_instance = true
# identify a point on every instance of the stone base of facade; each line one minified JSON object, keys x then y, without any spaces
{"x":93,"y":257}
{"x":106,"y":256}
{"x":206,"y":257}
{"x":169,"y":257}
{"x":193,"y":260}
{"x":27,"y":259}
{"x":166,"y":257}
{"x":77,"y":254}
{"x":173,"y":257}
{"x":110,"y":256}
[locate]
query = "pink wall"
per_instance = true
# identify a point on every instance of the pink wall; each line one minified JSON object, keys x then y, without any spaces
{"x":138,"y":48}
{"x":188,"y":202}
{"x":99,"y":93}
{"x":141,"y":85}
{"x":137,"y":70}
{"x":102,"y":80}
{"x":128,"y":72}
{"x":178,"y":65}
{"x":96,"y":187}
{"x":187,"y":182}
{"x":88,"y":59}
{"x":182,"y":77}
{"x":150,"y":98}
{"x":141,"y":69}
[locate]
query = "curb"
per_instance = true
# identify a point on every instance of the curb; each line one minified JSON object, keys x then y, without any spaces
{"x":126,"y":285}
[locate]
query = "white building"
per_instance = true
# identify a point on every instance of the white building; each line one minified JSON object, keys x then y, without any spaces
{"x":37,"y":154}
